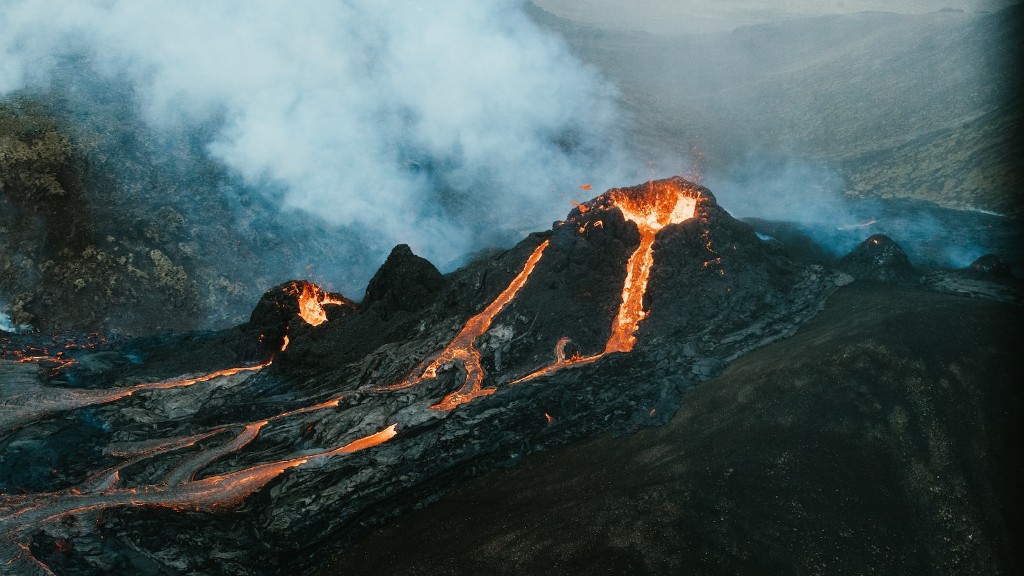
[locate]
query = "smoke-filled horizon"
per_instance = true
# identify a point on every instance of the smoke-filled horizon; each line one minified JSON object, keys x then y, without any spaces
{"x":445,"y":126}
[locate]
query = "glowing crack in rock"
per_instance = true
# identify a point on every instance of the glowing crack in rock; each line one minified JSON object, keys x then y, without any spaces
{"x":462,"y":347}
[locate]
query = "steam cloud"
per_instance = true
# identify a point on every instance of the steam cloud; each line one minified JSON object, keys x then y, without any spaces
{"x":444,"y":125}
{"x":5,"y":321}
{"x":810,"y":195}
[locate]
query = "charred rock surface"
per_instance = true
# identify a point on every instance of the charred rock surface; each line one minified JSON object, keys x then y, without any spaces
{"x":343,"y":415}
{"x":881,"y":438}
{"x":405,"y":283}
{"x":992,"y":266}
{"x":878,"y":258}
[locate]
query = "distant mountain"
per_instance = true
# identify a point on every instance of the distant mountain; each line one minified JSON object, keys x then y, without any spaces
{"x":895,"y":101}
{"x":703,"y":16}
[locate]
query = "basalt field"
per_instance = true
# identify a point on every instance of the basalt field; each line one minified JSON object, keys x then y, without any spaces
{"x":413,"y":290}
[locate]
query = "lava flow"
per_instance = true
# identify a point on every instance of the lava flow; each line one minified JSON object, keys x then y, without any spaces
{"x":213,"y":492}
{"x":651,"y":209}
{"x":461,"y":347}
{"x":312,"y":300}
{"x":178,"y":489}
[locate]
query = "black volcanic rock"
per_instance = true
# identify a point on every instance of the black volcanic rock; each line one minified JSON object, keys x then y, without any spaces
{"x":405,"y":283}
{"x":881,"y":439}
{"x":878,"y":258}
{"x":714,"y":292}
{"x":991,"y":265}
{"x":279,"y":307}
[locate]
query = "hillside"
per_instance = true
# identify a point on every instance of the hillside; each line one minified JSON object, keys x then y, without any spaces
{"x":879,"y":439}
{"x":892,"y":102}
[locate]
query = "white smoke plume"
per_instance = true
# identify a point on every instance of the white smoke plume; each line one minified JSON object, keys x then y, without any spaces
{"x":438,"y":124}
{"x":5,"y":322}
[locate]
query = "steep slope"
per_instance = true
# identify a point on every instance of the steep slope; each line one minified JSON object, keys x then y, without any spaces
{"x":879,"y":439}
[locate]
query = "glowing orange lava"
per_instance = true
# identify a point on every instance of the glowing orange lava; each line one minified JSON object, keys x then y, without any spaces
{"x":651,"y":209}
{"x":461,"y":348}
{"x":312,"y":300}
{"x":204,"y":378}
{"x":310,"y":308}
{"x":213,"y":492}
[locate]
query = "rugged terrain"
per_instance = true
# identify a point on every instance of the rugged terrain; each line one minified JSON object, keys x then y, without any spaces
{"x":880,"y":439}
{"x":257,"y":449}
{"x":922,"y":106}
{"x":109,"y":224}
{"x":291,"y":433}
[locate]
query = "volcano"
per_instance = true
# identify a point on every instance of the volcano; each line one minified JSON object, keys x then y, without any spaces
{"x":259,"y":449}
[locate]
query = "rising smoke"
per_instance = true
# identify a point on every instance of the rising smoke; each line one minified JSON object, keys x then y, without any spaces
{"x":5,"y":321}
{"x":444,"y":125}
{"x":809,"y":195}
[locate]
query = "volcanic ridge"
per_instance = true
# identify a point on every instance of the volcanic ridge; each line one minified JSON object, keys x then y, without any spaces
{"x":255,"y":449}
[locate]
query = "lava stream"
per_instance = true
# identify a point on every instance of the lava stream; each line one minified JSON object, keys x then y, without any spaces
{"x":461,"y":347}
{"x":135,"y":453}
{"x":187,"y":470}
{"x":210,"y":493}
{"x":25,"y":399}
{"x":660,"y":205}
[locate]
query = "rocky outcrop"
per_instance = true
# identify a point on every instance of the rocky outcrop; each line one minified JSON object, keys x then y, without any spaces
{"x":878,"y":258}
{"x":405,"y":283}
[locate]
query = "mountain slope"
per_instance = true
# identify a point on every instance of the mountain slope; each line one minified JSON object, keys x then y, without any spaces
{"x":879,"y":439}
{"x":834,"y":89}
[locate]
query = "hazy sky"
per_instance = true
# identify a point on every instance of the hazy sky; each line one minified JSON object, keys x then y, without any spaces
{"x":689,"y":16}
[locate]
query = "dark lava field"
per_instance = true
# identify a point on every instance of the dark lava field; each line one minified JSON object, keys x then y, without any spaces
{"x":649,"y":387}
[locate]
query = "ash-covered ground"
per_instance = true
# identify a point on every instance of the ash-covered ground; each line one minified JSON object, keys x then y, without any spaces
{"x":269,"y":447}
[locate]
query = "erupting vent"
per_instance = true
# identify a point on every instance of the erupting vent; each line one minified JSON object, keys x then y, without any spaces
{"x":650,"y":208}
{"x":312,"y":300}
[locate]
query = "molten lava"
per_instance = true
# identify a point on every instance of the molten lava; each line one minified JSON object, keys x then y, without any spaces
{"x":312,"y":300}
{"x":651,"y":209}
{"x":214,"y":492}
{"x":178,"y":489}
{"x":461,"y":348}
{"x":663,"y":204}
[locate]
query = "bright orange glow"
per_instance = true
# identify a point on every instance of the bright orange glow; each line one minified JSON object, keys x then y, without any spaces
{"x":585,"y":186}
{"x":461,"y":348}
{"x":310,"y":308}
{"x":55,"y":363}
{"x":332,"y":301}
{"x":369,"y":441}
{"x":211,"y":493}
{"x":312,"y":300}
{"x":656,"y":206}
{"x":190,"y":381}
